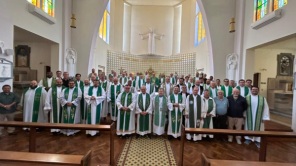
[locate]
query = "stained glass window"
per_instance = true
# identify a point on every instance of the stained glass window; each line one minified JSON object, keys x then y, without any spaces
{"x":48,"y":6}
{"x":104,"y":29}
{"x":279,"y":3}
{"x":200,"y":32}
{"x":261,"y":9}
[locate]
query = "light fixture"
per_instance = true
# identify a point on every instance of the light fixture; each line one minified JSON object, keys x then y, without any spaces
{"x":232,"y":25}
{"x":73,"y":21}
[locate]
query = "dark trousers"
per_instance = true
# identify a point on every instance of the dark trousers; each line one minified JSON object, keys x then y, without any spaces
{"x":220,"y":122}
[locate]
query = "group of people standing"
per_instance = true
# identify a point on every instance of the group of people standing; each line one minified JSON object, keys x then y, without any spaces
{"x":146,"y":104}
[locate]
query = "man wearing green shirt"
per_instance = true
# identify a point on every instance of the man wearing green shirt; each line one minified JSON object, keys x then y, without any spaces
{"x":8,"y":103}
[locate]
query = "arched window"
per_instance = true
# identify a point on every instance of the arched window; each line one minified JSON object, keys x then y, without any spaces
{"x":279,"y":3}
{"x":263,"y":7}
{"x":104,"y":29}
{"x":48,"y":6}
{"x":200,"y":32}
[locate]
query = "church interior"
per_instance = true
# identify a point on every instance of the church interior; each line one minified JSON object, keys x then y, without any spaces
{"x":234,"y":39}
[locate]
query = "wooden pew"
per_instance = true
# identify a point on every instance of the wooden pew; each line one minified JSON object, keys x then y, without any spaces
{"x":42,"y":159}
{"x":33,"y":126}
{"x":263,"y":134}
{"x":214,"y":162}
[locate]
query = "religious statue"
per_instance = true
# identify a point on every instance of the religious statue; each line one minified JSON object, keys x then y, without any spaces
{"x":22,"y":56}
{"x":71,"y":56}
{"x":231,"y":65}
{"x":151,"y":35}
{"x":285,"y":64}
{"x":2,"y":47}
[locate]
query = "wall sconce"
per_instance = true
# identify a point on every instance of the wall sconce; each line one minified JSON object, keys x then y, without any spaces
{"x":232,"y":25}
{"x":73,"y":21}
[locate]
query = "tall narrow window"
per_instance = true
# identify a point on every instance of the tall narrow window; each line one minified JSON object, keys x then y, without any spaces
{"x":200,"y":32}
{"x":104,"y":30}
{"x":261,"y":9}
{"x":48,"y":6}
{"x":279,"y":3}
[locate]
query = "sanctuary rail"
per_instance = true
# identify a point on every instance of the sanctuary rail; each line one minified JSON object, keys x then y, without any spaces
{"x":33,"y":126}
{"x":263,"y":134}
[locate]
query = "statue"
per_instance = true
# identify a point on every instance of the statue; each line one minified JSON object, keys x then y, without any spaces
{"x":151,"y":35}
{"x":2,"y":47}
{"x":231,"y":65}
{"x":71,"y":56}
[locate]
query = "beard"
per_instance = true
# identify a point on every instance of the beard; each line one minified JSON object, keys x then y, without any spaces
{"x":235,"y":96}
{"x":33,"y":86}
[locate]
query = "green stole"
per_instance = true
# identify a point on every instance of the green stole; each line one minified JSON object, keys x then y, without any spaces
{"x":104,"y":85}
{"x":157,"y":111}
{"x":134,"y":83}
{"x":124,"y":81}
{"x":98,"y":110}
{"x":156,"y":82}
{"x":113,"y":98}
{"x":67,"y":118}
{"x":54,"y":97}
{"x":207,"y":120}
{"x":189,"y":85}
{"x":173,"y":115}
{"x":192,"y":121}
{"x":144,"y":119}
{"x":127,"y":116}
{"x":151,"y":88}
{"x":246,"y":90}
{"x":139,"y":83}
{"x":173,"y":80}
{"x":229,"y":90}
{"x":211,"y":93}
{"x":36,"y":104}
{"x":259,"y":113}
{"x":81,"y":86}
{"x":45,"y":83}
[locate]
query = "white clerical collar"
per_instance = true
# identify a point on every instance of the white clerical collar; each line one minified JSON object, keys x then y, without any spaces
{"x":242,"y":86}
{"x":167,"y":83}
{"x":144,"y":94}
{"x":95,"y":87}
{"x":147,"y":83}
{"x":86,"y":85}
{"x":194,"y":95}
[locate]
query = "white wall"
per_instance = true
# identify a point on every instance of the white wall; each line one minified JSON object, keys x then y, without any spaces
{"x":84,"y":37}
{"x":177,"y":29}
{"x":218,"y":15}
{"x":161,"y":18}
{"x":39,"y":58}
{"x":6,"y":35}
{"x":267,"y":59}
{"x":126,"y":28}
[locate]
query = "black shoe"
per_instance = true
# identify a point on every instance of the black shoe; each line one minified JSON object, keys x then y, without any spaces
{"x":149,"y":136}
{"x":88,"y":135}
{"x":179,"y":138}
{"x":170,"y":137}
{"x":137,"y":136}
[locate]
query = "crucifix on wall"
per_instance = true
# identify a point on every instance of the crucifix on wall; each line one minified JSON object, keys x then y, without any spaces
{"x":151,"y":36}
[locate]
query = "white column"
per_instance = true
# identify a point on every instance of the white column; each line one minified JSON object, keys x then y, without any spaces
{"x":239,"y":38}
{"x":67,"y":12}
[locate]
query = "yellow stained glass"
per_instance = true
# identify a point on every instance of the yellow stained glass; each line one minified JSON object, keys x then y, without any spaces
{"x":104,"y":25}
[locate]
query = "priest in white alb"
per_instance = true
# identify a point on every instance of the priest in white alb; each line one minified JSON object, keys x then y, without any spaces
{"x":94,"y":99}
{"x":257,"y":112}
{"x":33,"y":102}
{"x":176,"y":104}
{"x":126,"y":115}
{"x":160,"y":111}
{"x":114,"y":90}
{"x":53,"y":105}
{"x":193,"y":113}
{"x":70,"y":101}
{"x":144,"y":113}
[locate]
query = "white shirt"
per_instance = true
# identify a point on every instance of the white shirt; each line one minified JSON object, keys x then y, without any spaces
{"x":226,"y":90}
{"x":213,"y":93}
{"x":148,"y":88}
{"x":242,"y":91}
{"x":167,"y":89}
